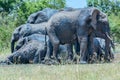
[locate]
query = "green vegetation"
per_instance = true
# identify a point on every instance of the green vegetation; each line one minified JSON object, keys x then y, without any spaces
{"x":15,"y":12}
{"x":61,"y":72}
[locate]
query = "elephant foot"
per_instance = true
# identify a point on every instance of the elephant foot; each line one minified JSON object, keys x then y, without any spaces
{"x":58,"y":59}
{"x":46,"y":61}
{"x":51,"y":61}
{"x":69,"y":61}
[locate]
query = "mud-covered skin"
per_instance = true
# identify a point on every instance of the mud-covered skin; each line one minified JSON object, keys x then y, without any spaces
{"x":27,"y":52}
{"x":99,"y":48}
{"x":40,"y":38}
{"x":64,"y":27}
{"x":41,"y":16}
{"x":26,"y":30}
{"x":45,"y":14}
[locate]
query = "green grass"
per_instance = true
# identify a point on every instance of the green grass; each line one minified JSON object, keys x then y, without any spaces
{"x":61,"y":72}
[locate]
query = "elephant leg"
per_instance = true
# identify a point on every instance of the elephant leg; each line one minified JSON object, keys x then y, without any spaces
{"x":111,"y":53}
{"x":55,"y":49}
{"x":69,"y":51}
{"x":77,"y":47}
{"x":12,"y":45}
{"x":83,"y":48}
{"x":55,"y":42}
{"x":107,"y":49}
{"x":90,"y":49}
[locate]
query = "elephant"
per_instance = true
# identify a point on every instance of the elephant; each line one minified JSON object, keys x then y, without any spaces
{"x":26,"y":30}
{"x":41,"y":16}
{"x":24,"y":40}
{"x":40,"y":38}
{"x":45,"y":14}
{"x":27,"y":52}
{"x":99,"y":48}
{"x":103,"y":31}
{"x":65,"y":28}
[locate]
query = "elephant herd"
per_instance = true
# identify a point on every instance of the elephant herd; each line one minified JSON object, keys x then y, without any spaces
{"x":82,"y":34}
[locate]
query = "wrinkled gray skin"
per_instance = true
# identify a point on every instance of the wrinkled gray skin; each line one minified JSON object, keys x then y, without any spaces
{"x":41,"y":16}
{"x":27,"y":52}
{"x":45,"y":14}
{"x":40,"y":38}
{"x":24,"y":40}
{"x":99,"y":47}
{"x":26,"y":30}
{"x":102,"y":31}
{"x":34,"y":19}
{"x":37,"y":17}
{"x":64,"y":27}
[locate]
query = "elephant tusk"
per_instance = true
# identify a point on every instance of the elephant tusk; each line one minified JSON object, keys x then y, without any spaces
{"x":108,"y":36}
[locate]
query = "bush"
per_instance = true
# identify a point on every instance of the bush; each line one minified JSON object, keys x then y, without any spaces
{"x":6,"y":28}
{"x":115,"y":27}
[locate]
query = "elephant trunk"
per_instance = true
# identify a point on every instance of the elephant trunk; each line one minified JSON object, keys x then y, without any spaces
{"x":12,"y":45}
{"x":108,"y":36}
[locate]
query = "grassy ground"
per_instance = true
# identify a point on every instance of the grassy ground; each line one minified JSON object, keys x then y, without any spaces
{"x":106,"y":71}
{"x":61,"y":72}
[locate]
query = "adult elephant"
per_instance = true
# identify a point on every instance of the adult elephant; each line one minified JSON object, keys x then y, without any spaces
{"x":64,"y":27}
{"x":45,"y":14}
{"x":26,"y":30}
{"x":41,"y":16}
{"x":103,"y":31}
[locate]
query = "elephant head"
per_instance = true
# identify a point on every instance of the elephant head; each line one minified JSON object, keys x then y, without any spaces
{"x":18,"y":33}
{"x":15,"y":37}
{"x":88,"y":19}
{"x":37,"y":17}
{"x":103,"y":31}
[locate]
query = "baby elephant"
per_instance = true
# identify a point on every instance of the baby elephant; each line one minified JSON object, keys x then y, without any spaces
{"x":26,"y":30}
{"x":24,"y":40}
{"x":26,"y":54}
{"x":99,"y":48}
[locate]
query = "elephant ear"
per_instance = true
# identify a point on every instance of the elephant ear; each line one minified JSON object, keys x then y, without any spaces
{"x":103,"y":17}
{"x":41,"y":17}
{"x":94,"y":13}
